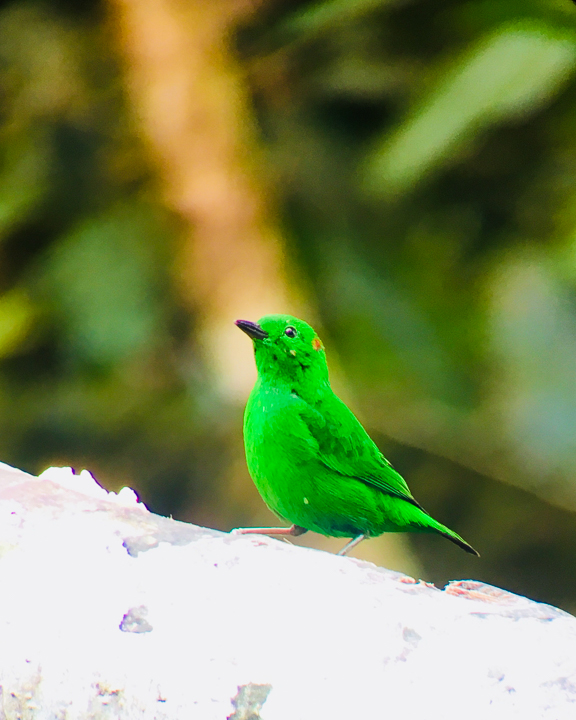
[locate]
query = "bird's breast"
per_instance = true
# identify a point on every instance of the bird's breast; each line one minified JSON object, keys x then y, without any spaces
{"x":277,"y":450}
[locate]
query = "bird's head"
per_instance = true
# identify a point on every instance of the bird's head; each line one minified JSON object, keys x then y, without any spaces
{"x":287,"y":350}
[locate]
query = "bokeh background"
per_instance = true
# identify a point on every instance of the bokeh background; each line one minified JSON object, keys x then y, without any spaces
{"x":400,"y":173}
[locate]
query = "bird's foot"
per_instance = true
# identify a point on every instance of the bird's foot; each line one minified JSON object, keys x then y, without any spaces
{"x":294,"y":531}
{"x":351,"y":544}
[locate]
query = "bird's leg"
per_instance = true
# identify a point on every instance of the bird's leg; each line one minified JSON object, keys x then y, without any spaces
{"x":351,"y":544}
{"x":294,"y":531}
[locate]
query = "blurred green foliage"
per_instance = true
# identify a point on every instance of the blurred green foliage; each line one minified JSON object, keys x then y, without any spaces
{"x":424,"y":160}
{"x":97,"y":365}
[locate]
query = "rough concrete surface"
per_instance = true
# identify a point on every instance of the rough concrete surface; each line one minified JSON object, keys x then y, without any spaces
{"x":109,"y":611}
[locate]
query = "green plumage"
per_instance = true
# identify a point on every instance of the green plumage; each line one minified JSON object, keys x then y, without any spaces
{"x":310,"y":458}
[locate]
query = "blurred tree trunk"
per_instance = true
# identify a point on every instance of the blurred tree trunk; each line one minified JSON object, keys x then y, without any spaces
{"x":189,"y":95}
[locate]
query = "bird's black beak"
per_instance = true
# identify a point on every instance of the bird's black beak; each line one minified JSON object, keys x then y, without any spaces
{"x":252,"y":329}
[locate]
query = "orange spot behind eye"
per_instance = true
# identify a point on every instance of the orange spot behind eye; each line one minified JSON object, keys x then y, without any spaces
{"x":317,"y":344}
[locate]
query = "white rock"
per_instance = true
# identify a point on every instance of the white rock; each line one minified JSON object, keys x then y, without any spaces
{"x":109,"y":611}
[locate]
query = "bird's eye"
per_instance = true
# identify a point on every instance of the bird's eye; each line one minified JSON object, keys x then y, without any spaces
{"x":290,"y":331}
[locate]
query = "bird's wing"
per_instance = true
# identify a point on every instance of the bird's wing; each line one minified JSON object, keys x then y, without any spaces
{"x":346,"y":448}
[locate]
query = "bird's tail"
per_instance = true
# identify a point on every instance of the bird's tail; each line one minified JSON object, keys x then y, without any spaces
{"x":451,"y":535}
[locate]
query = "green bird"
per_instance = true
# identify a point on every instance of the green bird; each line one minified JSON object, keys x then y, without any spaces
{"x":310,"y":458}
